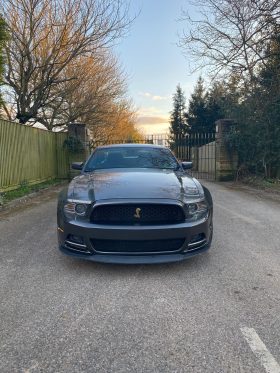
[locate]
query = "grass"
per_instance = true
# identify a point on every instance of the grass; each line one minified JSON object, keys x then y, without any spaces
{"x":262,"y":183}
{"x":26,"y":189}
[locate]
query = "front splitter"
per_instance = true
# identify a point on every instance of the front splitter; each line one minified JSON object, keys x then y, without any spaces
{"x":136,"y":259}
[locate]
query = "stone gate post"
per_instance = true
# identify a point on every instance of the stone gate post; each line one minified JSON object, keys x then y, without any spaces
{"x":226,"y":161}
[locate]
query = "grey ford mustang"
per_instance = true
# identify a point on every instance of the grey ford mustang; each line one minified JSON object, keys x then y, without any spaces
{"x":134,"y":203}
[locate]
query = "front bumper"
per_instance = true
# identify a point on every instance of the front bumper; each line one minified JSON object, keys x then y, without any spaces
{"x":187,"y":232}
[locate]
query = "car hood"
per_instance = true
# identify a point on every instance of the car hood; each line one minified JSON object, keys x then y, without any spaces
{"x":133,"y":184}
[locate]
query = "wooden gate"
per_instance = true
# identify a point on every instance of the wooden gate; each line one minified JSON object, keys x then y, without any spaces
{"x":199,"y":148}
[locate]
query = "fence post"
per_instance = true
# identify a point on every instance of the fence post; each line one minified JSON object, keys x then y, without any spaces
{"x":226,"y":161}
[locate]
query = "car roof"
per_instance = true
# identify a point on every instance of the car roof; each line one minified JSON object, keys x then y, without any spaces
{"x":131,"y":146}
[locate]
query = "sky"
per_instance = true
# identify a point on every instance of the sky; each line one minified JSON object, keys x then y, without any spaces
{"x":153,"y":61}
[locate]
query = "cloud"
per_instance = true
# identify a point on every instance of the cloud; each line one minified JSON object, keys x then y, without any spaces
{"x":154,"y":97}
{"x":159,"y":98}
{"x":151,"y":120}
{"x":153,"y":111}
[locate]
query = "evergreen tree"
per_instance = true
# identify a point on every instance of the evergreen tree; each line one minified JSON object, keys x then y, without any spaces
{"x":197,"y":113}
{"x":266,"y":114}
{"x":178,"y":124}
{"x":204,"y":109}
{"x":256,"y":136}
{"x":226,"y":95}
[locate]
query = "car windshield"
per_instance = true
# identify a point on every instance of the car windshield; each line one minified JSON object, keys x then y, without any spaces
{"x":131,"y":157}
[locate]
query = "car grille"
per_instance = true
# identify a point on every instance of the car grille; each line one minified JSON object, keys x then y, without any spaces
{"x":137,"y":247}
{"x":137,"y":214}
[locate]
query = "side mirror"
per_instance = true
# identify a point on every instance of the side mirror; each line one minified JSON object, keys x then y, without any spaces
{"x":186,"y":165}
{"x":77,"y":165}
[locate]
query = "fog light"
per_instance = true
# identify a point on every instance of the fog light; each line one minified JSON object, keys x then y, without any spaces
{"x":76,"y":239}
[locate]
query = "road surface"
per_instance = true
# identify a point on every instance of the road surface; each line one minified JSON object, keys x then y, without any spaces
{"x":217,"y":312}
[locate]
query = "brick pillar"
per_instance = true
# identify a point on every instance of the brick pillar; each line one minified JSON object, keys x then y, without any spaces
{"x":226,"y":161}
{"x":79,"y":131}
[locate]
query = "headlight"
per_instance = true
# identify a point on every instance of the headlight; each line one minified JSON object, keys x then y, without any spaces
{"x":81,"y":209}
{"x":197,"y":210}
{"x":76,"y":209}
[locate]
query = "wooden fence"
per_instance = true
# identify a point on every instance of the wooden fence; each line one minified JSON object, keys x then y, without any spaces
{"x":30,"y":155}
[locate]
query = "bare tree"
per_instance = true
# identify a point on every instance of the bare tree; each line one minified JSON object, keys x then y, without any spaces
{"x":46,"y":36}
{"x":3,"y":38}
{"x":97,"y":97}
{"x":117,"y":123}
{"x":89,"y":84}
{"x":231,"y":35}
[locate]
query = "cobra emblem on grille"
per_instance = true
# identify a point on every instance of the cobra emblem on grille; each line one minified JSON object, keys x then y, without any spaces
{"x":137,"y":213}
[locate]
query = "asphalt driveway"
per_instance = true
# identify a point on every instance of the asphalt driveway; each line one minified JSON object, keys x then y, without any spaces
{"x":218,"y":312}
